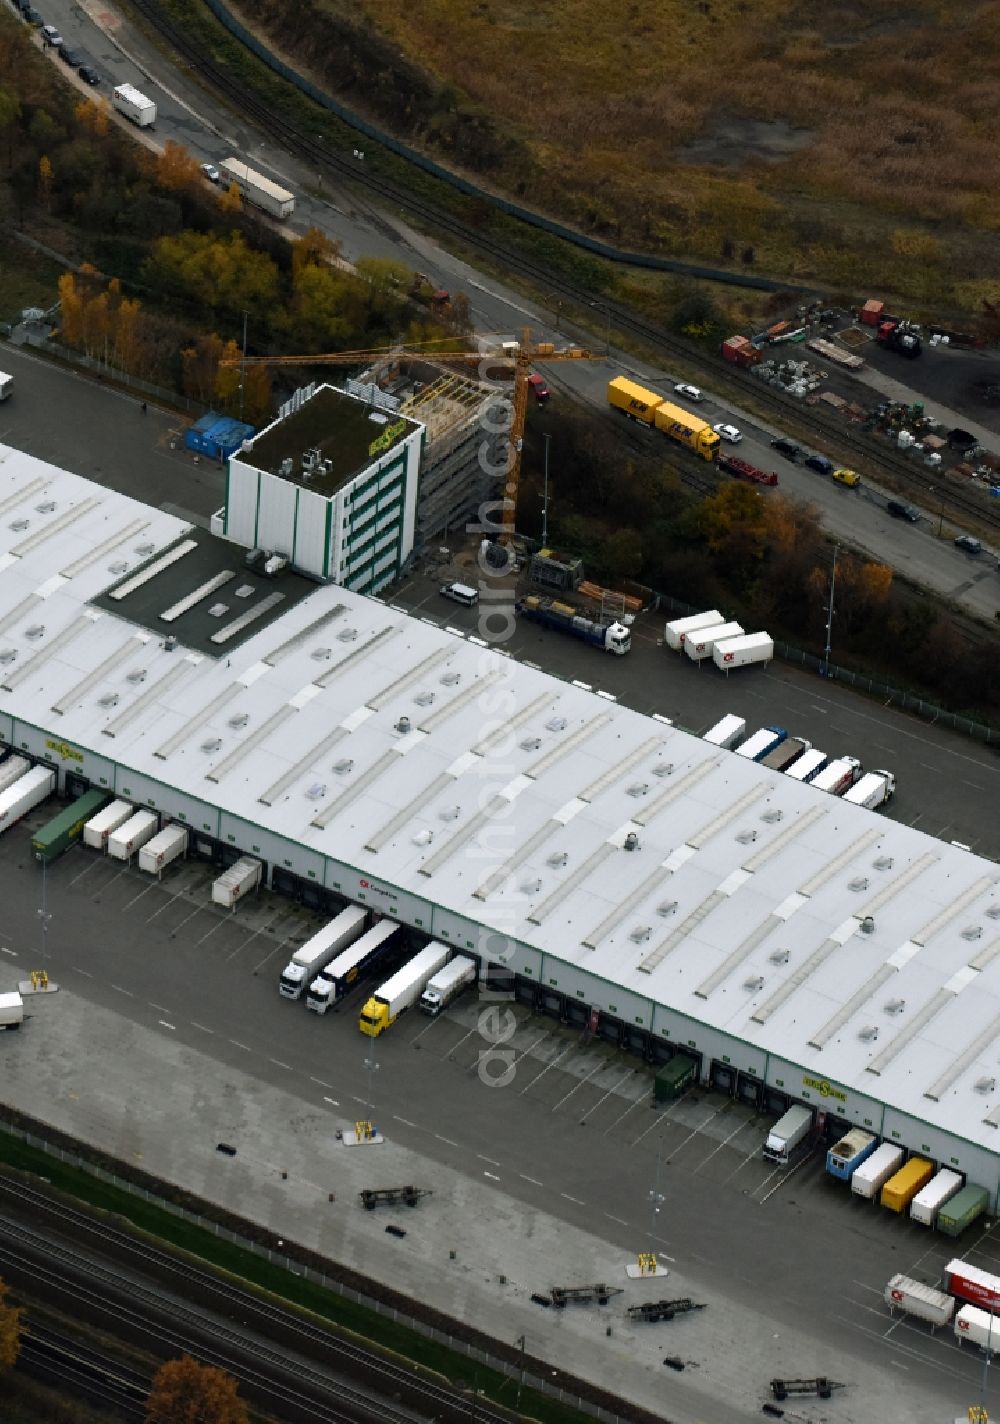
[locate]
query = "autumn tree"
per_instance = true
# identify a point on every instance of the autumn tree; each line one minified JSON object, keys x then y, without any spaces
{"x":10,"y":1331}
{"x":176,"y":169}
{"x":230,"y":201}
{"x":257,"y":395}
{"x":93,"y":117}
{"x":200,"y":367}
{"x":223,"y":273}
{"x":185,"y":1392}
{"x":314,"y":249}
{"x":10,"y":113}
{"x":45,"y":180}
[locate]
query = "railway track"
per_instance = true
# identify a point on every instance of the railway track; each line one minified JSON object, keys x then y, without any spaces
{"x":59,"y":1360}
{"x":189,"y":1325}
{"x":713,"y":370}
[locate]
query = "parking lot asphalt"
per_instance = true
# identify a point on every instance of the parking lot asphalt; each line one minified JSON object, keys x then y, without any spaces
{"x":561,"y":1177}
{"x":946,"y":784}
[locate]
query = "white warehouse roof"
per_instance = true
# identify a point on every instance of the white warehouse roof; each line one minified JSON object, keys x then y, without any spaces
{"x":509,"y":801}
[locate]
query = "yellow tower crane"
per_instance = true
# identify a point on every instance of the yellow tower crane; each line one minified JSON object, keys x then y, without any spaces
{"x":517,"y":356}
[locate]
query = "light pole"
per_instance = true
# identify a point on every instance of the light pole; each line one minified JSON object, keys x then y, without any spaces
{"x":521,"y":1342}
{"x":829,"y":615}
{"x":545,"y":496}
{"x":43,"y":919}
{"x":372,"y":1067}
{"x":655,"y":1198}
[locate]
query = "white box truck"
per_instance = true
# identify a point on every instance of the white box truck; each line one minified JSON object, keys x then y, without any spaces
{"x":447,"y":984}
{"x":11,"y":1010}
{"x":99,"y":827}
{"x":930,"y":1199}
{"x":874,"y":789}
{"x":675,"y":633}
{"x":914,"y":1298}
{"x":342,"y":973}
{"x":12,"y":769}
{"x":131,"y":834}
{"x":699,"y":645}
{"x":134,"y":105}
{"x":876,"y":1170}
{"x":403,"y":990}
{"x":808,"y":765}
{"x":236,"y":882}
{"x":311,"y":958}
{"x":743,"y":652}
{"x":257,"y":189}
{"x":758,"y":744}
{"x":837,"y":775}
{"x":980,"y":1326}
{"x":726,"y":732}
{"x":167,"y":845}
{"x":791,"y":1128}
{"x":27,"y":791}
{"x":6,"y":385}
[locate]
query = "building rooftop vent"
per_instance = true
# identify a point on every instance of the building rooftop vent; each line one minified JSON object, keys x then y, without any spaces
{"x":867,"y":925}
{"x":859,"y":883}
{"x":665,"y":768}
{"x":212,"y":745}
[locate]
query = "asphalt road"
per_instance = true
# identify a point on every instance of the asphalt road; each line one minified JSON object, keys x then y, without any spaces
{"x":191,"y":116}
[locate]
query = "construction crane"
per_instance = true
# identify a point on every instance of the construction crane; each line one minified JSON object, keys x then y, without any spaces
{"x":517,"y":356}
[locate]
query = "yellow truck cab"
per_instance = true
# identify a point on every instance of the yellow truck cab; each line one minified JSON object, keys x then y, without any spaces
{"x":851,"y":478}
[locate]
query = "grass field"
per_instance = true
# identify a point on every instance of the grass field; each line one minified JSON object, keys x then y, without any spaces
{"x":847,"y":142}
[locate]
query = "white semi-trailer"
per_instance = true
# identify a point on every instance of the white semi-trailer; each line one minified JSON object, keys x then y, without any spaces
{"x":12,"y":768}
{"x":11,"y":1010}
{"x":344,"y":972}
{"x":676,"y":633}
{"x":25,"y":793}
{"x":166,"y":846}
{"x":132,"y":834}
{"x":311,"y":958}
{"x":257,"y":189}
{"x":99,"y":827}
{"x":236,"y":882}
{"x":134,"y":105}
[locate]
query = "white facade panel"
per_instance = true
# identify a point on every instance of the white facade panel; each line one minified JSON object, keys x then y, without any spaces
{"x":310,"y":552}
{"x":276,"y":514}
{"x":264,"y":844}
{"x":242,"y":488}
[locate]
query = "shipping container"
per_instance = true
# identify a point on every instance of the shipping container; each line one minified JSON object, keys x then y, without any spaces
{"x":846,"y":1156}
{"x":699,"y":645}
{"x":740,"y":351}
{"x":979,"y":1326}
{"x":11,"y":769}
{"x":743,"y":652}
{"x":871,"y":312}
{"x":877,"y":1170}
{"x":930,"y":1199}
{"x":25,"y":793}
{"x":914,"y":1298}
{"x":903,"y":1186}
{"x":131,"y":834}
{"x":808,"y":765}
{"x":257,"y":189}
{"x":672,"y":1079}
{"x":236,"y":882}
{"x":99,"y":827}
{"x":964,"y":1208}
{"x":170,"y":844}
{"x":675,"y":633}
{"x":726,"y":732}
{"x":53,"y":839}
{"x":970,"y":1283}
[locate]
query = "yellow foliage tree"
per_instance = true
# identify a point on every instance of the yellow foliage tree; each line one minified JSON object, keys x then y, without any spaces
{"x":227,"y":377}
{"x":185,"y":1392}
{"x":10,"y":1331}
{"x":257,"y":395}
{"x":313,"y":249}
{"x":71,"y":306}
{"x":229,"y":200}
{"x":200,"y":366}
{"x":93,"y":116}
{"x":45,"y":180}
{"x":176,"y":169}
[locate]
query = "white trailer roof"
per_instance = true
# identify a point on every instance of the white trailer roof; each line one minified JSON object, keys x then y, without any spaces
{"x":509,"y":800}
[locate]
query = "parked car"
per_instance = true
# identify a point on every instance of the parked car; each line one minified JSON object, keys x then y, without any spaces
{"x":729,"y":432}
{"x":539,"y":389}
{"x":968,"y":545}
{"x":899,"y":510}
{"x":819,"y":463}
{"x":788,"y":448}
{"x":89,"y":74}
{"x":51,"y":37}
{"x":211,"y":172}
{"x":31,"y":17}
{"x":851,"y":478}
{"x":691,"y":393}
{"x":71,"y":56}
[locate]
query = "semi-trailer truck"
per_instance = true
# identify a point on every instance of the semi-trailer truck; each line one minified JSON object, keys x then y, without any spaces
{"x":612,"y":637}
{"x":679,"y":629}
{"x":311,"y":958}
{"x":873,"y":1173}
{"x":837,"y":775}
{"x":930,"y":1199}
{"x":257,"y":189}
{"x":847,"y":1155}
{"x":757,"y":746}
{"x":726,"y":732}
{"x":343,"y":973}
{"x":11,"y":769}
{"x":649,"y":408}
{"x":969,"y":1283}
{"x":51,"y":840}
{"x":447,"y":984}
{"x":874,"y":789}
{"x":134,"y":105}
{"x":25,"y":793}
{"x":403,"y":990}
{"x":808,"y":765}
{"x":786,"y":1134}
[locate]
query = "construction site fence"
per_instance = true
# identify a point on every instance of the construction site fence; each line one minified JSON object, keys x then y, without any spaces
{"x":872,"y":686}
{"x":298,"y":1269}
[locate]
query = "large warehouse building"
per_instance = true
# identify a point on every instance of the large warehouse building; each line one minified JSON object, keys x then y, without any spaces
{"x":635,"y":879}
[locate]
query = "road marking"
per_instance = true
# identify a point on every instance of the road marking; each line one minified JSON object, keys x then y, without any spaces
{"x":11,"y":952}
{"x":619,"y":1219}
{"x":123,"y":991}
{"x":135,"y":898}
{"x":572,"y":1199}
{"x":85,"y":972}
{"x":445,"y":1139}
{"x":202,"y":1027}
{"x":579,"y":1084}
{"x":492,"y":1175}
{"x":278,"y":1064}
{"x":725,"y":1141}
{"x":158,"y":1007}
{"x":404,"y":1120}
{"x":899,"y":1364}
{"x":538,"y":1076}
{"x":319,"y":1083}
{"x":170,"y":900}
{"x":237,"y":1044}
{"x":333,"y":1102}
{"x":164,"y":1024}
{"x":624,"y":1079}
{"x":487,"y":1159}
{"x":631,"y":1108}
{"x":533,"y":1180}
{"x":784,"y":1176}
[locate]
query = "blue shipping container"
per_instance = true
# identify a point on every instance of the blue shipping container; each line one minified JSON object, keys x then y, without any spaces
{"x":849,"y":1153}
{"x":217,"y":436}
